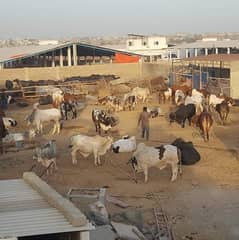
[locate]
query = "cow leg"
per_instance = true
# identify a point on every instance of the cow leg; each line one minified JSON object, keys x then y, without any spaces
{"x":73,"y":156}
{"x":97,"y":158}
{"x":146,"y":174}
{"x":174,"y":171}
{"x":183,"y":123}
{"x":65,"y":105}
{"x":58,"y":126}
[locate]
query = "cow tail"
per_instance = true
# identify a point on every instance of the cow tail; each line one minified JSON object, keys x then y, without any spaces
{"x":179,"y":153}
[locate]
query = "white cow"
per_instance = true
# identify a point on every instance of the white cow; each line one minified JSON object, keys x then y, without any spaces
{"x":126,"y":144}
{"x":141,"y":93}
{"x":214,"y":100}
{"x":39,"y":116}
{"x":145,"y":157}
{"x":179,"y":97}
{"x":86,"y":145}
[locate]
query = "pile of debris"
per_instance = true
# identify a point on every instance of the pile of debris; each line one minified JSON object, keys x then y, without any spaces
{"x":128,"y":225}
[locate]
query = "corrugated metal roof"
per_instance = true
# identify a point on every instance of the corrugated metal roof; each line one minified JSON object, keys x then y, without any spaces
{"x":24,"y":212}
{"x":13,"y":53}
{"x":209,"y":44}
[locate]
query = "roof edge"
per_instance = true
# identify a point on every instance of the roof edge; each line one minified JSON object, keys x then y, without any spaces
{"x":68,"y":209}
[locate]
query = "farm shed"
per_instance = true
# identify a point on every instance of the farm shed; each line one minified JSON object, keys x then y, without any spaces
{"x":68,"y":54}
{"x":31,"y":209}
{"x":217,"y":73}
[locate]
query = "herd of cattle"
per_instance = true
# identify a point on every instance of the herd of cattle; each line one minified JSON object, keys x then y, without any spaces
{"x":191,"y":104}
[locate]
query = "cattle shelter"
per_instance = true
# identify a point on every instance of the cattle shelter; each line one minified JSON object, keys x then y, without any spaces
{"x":31,"y":209}
{"x":217,"y":73}
{"x":68,"y":54}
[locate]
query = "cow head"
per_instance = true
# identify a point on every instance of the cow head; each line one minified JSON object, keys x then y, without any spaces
{"x":116,"y":149}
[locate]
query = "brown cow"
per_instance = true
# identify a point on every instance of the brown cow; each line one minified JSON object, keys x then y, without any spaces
{"x":224,"y":108}
{"x":204,"y":121}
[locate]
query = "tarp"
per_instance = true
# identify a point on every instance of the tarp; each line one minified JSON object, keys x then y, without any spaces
{"x":124,"y":58}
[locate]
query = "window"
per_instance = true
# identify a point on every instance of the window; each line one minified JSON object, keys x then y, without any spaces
{"x":156,"y":43}
{"x":130,"y":43}
{"x":144,"y":43}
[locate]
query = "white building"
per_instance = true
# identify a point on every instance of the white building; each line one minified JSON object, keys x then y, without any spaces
{"x":48,"y":42}
{"x":153,"y":48}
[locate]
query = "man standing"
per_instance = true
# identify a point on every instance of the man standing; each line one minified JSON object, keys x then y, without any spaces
{"x":144,"y":119}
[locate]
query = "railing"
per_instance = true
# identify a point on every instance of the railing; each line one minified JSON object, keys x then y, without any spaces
{"x":36,"y":91}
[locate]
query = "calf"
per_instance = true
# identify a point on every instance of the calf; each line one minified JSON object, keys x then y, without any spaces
{"x":145,"y":157}
{"x":86,"y":145}
{"x":103,"y":120}
{"x":46,"y":155}
{"x":154,"y":111}
{"x":182,"y":113}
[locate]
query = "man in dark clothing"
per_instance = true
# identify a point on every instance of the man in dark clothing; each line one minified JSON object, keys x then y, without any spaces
{"x":144,"y":119}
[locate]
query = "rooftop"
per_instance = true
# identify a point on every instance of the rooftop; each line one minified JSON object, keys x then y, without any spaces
{"x":25,"y":211}
{"x":215,"y":57}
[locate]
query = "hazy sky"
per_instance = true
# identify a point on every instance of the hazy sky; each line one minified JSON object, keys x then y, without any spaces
{"x":78,"y":18}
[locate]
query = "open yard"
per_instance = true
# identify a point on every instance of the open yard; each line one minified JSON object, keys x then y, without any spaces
{"x":202,"y":204}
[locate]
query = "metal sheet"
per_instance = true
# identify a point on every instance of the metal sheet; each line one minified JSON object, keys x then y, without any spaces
{"x":23,"y":212}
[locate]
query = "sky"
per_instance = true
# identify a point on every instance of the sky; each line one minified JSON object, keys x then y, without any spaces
{"x":54,"y":19}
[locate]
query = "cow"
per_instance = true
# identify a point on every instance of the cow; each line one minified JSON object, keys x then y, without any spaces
{"x":165,"y":95}
{"x":146,"y":157}
{"x":189,"y":155}
{"x":154,"y":111}
{"x":182,"y":113}
{"x":39,"y":116}
{"x":9,"y":122}
{"x":214,"y":100}
{"x":129,"y":102}
{"x":204,"y":121}
{"x":103,"y":120}
{"x":179,"y":97}
{"x":125,"y":144}
{"x":3,"y":133}
{"x":86,"y":145}
{"x":223,"y":110}
{"x":46,"y":155}
{"x":141,"y":93}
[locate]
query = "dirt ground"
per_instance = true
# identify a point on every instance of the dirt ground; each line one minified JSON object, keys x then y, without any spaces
{"x":202,"y":203}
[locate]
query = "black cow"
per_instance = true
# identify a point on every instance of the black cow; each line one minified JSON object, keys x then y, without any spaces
{"x":66,"y":107}
{"x":182,"y":113}
{"x":103,"y":120}
{"x":189,"y":155}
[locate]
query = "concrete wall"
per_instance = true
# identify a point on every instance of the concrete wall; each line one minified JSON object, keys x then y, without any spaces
{"x":129,"y":71}
{"x":234,"y":85}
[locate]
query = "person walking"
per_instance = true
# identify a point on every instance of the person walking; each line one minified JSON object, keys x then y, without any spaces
{"x":144,"y":120}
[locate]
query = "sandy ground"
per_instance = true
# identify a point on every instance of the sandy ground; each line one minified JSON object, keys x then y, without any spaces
{"x":203,"y":202}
